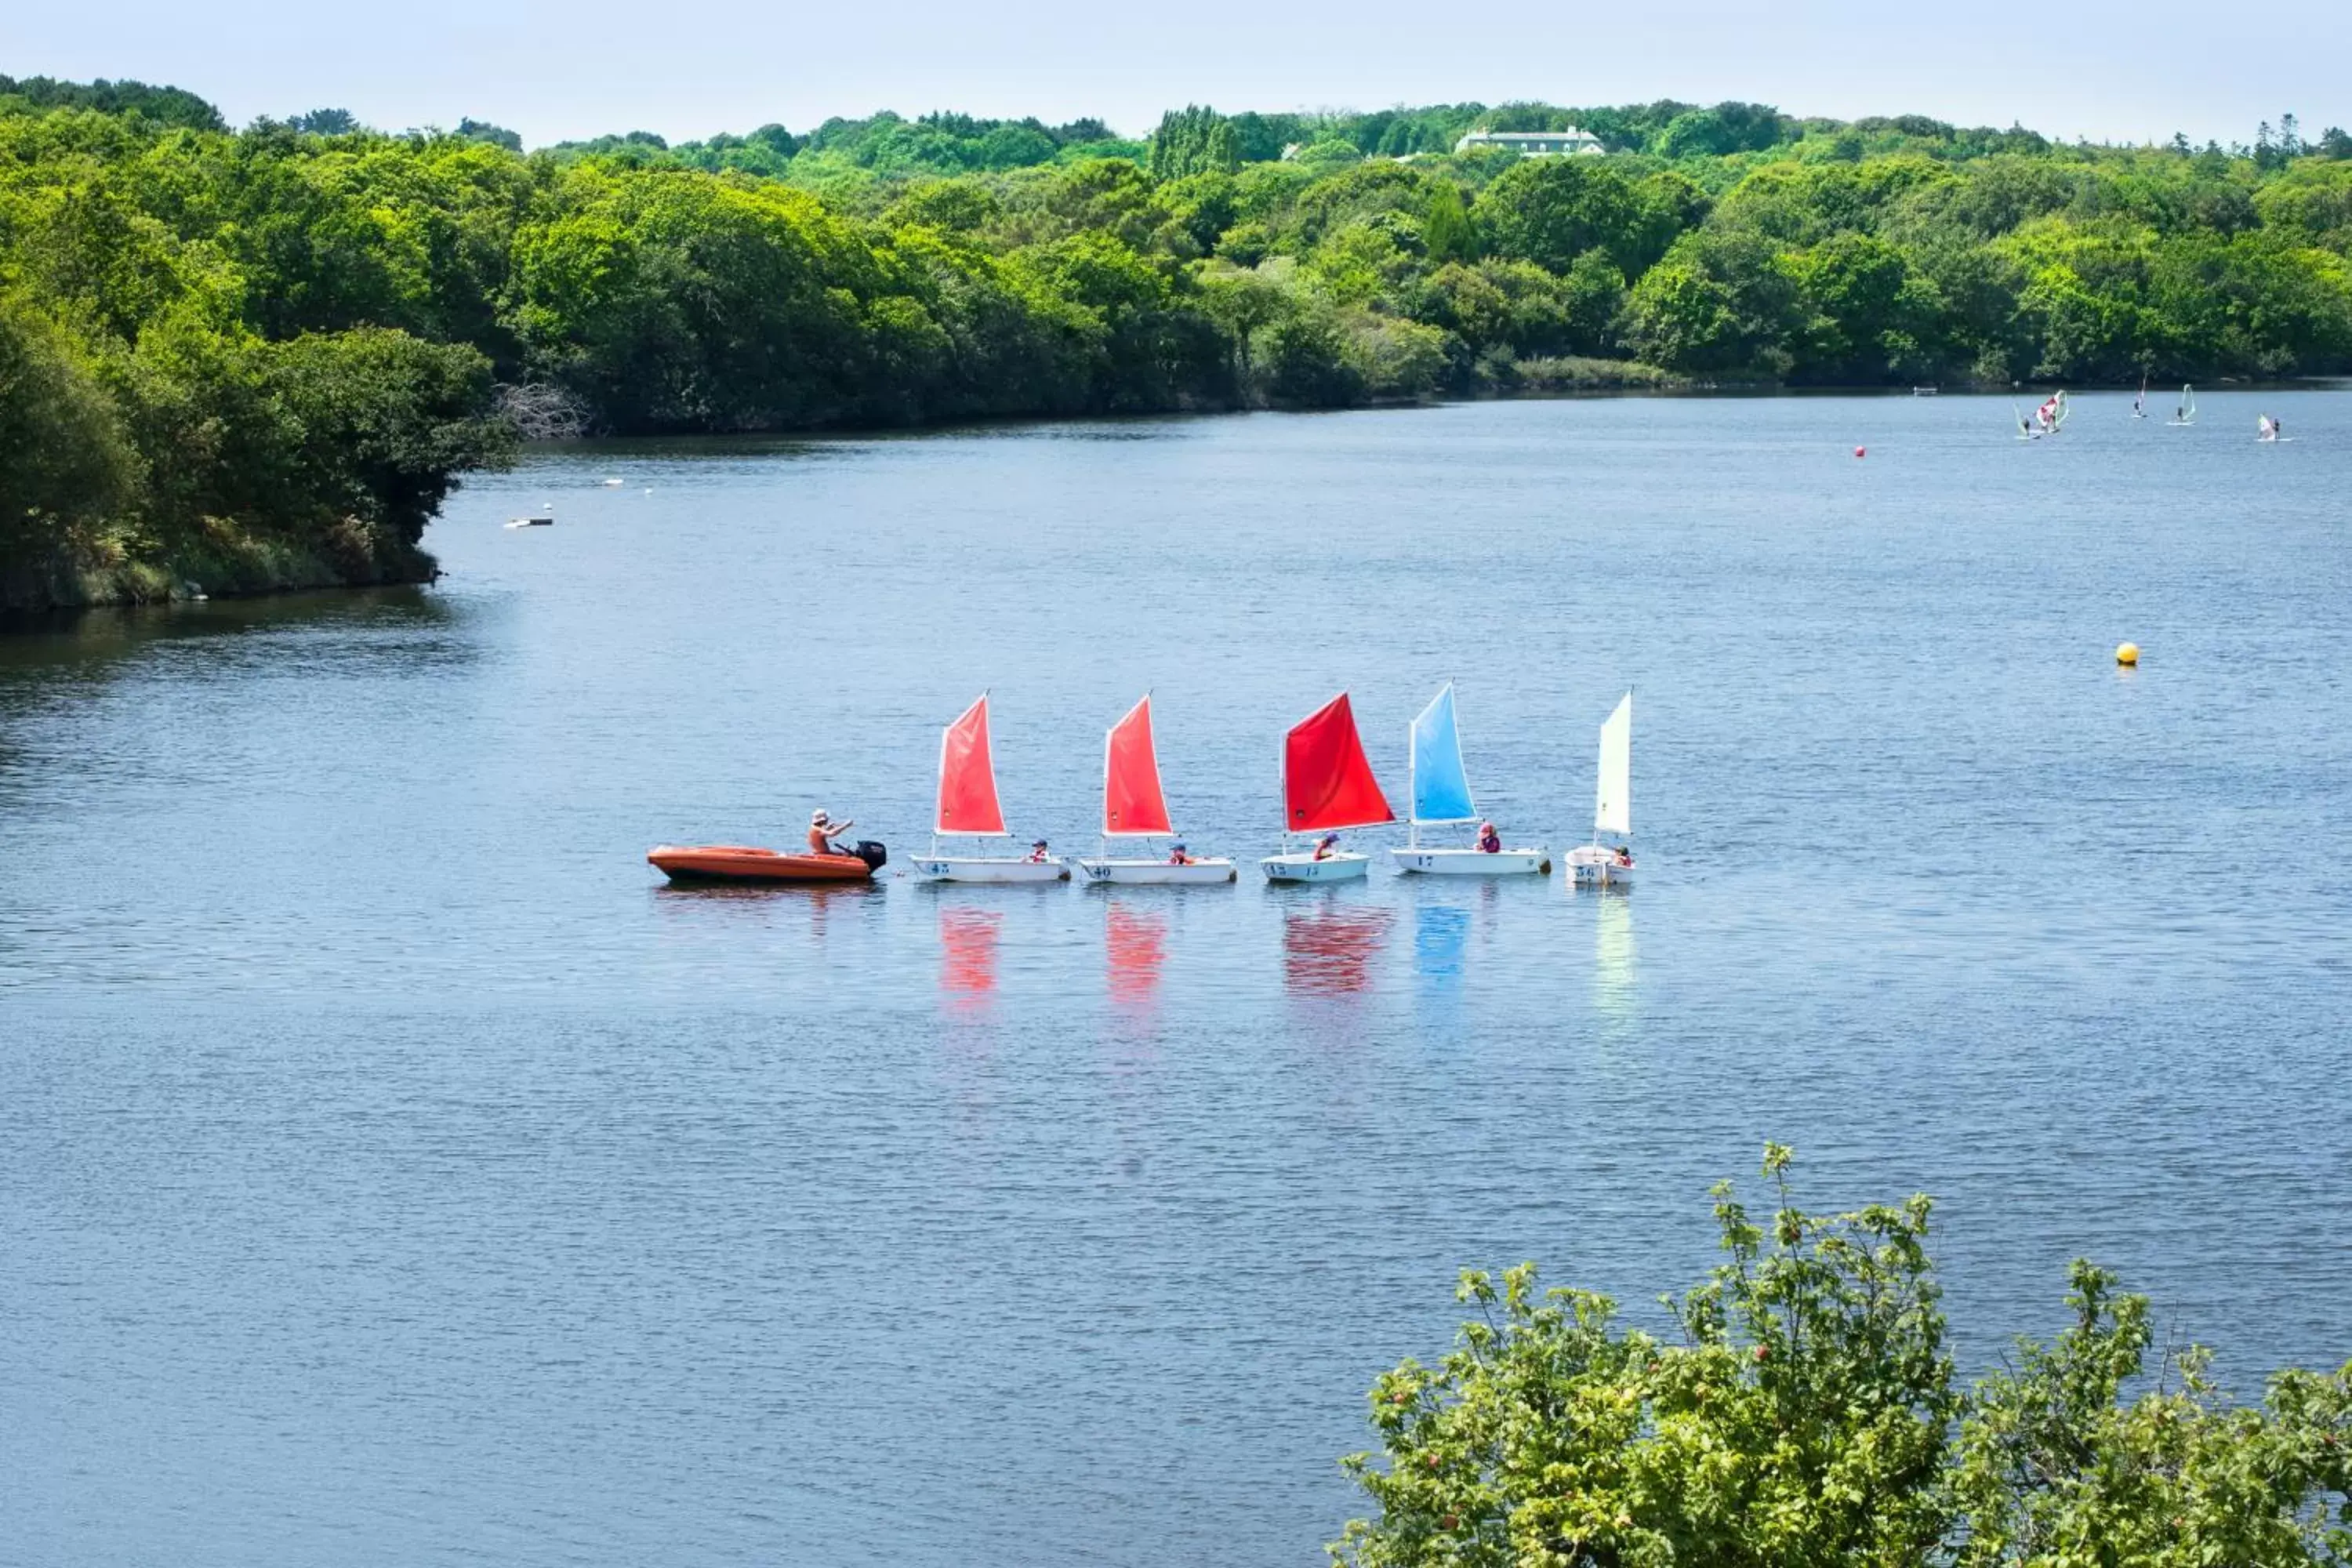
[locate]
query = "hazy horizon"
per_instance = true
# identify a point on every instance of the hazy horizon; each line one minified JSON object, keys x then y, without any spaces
{"x":2107,"y":71}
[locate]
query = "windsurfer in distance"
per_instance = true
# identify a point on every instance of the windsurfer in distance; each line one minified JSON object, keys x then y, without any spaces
{"x":821,"y":831}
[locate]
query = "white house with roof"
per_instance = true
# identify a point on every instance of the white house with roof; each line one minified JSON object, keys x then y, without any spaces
{"x":1569,"y":143}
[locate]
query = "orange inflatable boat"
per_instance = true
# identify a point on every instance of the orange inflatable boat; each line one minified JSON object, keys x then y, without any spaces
{"x":744,"y":863}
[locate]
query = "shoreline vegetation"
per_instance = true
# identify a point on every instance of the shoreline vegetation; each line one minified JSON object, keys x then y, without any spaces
{"x":1804,"y":1408}
{"x":237,"y":361}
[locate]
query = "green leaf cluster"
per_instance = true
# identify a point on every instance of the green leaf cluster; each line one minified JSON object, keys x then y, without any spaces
{"x":1806,"y":1413}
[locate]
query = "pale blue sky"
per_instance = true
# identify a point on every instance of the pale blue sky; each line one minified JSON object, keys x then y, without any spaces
{"x":2067,"y":67}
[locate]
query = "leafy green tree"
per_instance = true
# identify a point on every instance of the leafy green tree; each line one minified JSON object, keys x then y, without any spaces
{"x":166,"y":106}
{"x":1803,"y":1418}
{"x":2058,"y":1464}
{"x":1303,"y":361}
{"x":1193,"y":141}
{"x":1809,"y":1415}
{"x":326,"y":123}
{"x":1717,"y":132}
{"x":1332,"y":152}
{"x":70,"y":466}
{"x":1871,"y":318}
{"x":1550,"y":211}
{"x":496,"y":135}
{"x":1446,"y":232}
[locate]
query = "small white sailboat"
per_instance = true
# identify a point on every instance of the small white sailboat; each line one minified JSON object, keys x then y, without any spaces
{"x":1440,"y":791}
{"x":1599,"y":864}
{"x":968,"y":808}
{"x":2187,"y":413}
{"x":1134,"y":806}
{"x":1327,"y":786}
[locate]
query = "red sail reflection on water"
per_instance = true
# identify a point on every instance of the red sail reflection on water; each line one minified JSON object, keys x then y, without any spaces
{"x":1330,"y":950}
{"x":968,"y":953}
{"x":1135,"y":946}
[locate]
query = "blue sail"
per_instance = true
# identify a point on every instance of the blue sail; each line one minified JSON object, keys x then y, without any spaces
{"x":1440,"y":790}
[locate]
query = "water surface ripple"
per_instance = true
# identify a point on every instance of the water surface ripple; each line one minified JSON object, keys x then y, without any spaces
{"x":395,"y":1172}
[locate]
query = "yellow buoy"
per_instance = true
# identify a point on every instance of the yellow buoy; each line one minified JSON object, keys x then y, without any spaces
{"x":2127,"y":653}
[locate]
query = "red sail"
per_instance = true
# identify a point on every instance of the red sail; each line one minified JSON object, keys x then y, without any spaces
{"x":1326,"y":781}
{"x":968,"y":776}
{"x":1131,"y":799}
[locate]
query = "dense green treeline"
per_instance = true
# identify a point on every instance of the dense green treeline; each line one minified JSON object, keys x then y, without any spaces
{"x":260,"y":355}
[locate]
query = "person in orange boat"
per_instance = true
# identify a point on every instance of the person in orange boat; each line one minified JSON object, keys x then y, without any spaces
{"x":1327,"y":846}
{"x":1177,"y":856}
{"x":1490,"y":842}
{"x":821,"y":831}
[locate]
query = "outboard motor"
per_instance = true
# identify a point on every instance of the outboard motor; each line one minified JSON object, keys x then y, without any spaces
{"x":871,"y":851}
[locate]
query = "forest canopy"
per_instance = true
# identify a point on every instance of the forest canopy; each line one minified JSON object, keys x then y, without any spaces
{"x":199,"y":305}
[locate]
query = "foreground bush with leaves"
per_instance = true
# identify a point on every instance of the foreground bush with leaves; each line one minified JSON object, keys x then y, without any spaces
{"x":1810,"y":1416}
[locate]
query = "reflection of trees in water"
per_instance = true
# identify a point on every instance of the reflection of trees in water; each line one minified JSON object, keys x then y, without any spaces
{"x":1135,"y":948}
{"x":1330,"y":950}
{"x":968,"y":939}
{"x":395,"y":632}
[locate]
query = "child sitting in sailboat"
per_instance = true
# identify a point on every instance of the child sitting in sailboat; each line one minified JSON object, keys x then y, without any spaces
{"x":1490,"y":839}
{"x":1327,"y":846}
{"x":1177,"y":856}
{"x":1037,"y":855}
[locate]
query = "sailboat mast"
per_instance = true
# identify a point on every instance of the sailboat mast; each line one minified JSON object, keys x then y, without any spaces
{"x":1412,"y":785}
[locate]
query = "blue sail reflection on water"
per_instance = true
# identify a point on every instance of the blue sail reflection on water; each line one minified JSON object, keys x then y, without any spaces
{"x":1440,"y":936}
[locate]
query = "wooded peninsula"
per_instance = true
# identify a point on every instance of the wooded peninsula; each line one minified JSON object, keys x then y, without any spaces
{"x":260,"y":358}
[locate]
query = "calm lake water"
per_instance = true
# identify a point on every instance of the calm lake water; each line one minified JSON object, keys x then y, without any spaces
{"x":393,"y":1170}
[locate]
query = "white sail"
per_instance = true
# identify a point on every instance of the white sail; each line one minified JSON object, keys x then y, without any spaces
{"x":1612,"y":802}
